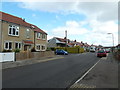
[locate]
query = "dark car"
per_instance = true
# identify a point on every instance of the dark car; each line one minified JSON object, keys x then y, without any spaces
{"x":61,"y":52}
{"x":101,"y":53}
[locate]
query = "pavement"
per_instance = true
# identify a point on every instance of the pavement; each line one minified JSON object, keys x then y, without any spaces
{"x":104,"y":74}
{"x":6,"y":65}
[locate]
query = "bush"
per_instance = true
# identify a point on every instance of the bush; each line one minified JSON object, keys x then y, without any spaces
{"x":7,"y":50}
{"x":48,"y":49}
{"x":87,"y":50}
{"x":52,"y":48}
{"x":17,"y":50}
{"x":72,"y":49}
{"x":33,"y":50}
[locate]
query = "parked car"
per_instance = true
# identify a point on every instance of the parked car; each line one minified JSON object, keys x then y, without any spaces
{"x":61,"y":52}
{"x":107,"y":50}
{"x":92,"y":49}
{"x":101,"y":53}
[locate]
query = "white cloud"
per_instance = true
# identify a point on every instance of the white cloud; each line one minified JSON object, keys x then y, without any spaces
{"x":102,"y":11}
{"x":101,"y":17}
{"x":73,"y":28}
{"x":98,"y":34}
{"x":60,"y":0}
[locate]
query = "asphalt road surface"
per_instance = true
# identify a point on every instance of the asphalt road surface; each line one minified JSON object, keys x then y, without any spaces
{"x":60,"y":73}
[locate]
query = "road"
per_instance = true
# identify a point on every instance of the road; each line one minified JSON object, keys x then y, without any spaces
{"x":60,"y":73}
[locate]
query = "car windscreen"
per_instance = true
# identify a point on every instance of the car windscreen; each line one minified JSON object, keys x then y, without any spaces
{"x":101,"y":51}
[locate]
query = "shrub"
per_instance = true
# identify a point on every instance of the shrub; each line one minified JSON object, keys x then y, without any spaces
{"x":7,"y":50}
{"x":77,"y":46}
{"x":72,"y":49}
{"x":33,"y":50}
{"x":52,"y":48}
{"x":48,"y":49}
{"x":17,"y":50}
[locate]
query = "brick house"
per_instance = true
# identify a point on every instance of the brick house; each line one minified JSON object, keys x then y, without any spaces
{"x":16,"y":33}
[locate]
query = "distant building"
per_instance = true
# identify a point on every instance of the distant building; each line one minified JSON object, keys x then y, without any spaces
{"x":57,"y":42}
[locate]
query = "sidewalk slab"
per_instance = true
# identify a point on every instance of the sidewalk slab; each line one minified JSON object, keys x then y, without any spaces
{"x":103,"y":75}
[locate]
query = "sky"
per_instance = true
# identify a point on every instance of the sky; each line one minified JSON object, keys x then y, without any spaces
{"x":88,"y":21}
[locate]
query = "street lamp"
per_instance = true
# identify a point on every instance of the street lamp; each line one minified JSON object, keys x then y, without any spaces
{"x":66,"y":37}
{"x":112,"y":38}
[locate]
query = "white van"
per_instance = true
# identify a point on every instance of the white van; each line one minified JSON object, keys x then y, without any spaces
{"x":92,"y":49}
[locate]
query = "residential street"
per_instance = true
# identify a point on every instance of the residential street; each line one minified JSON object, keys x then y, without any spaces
{"x":60,"y":73}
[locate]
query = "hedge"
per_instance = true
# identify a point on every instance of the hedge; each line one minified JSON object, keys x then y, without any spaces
{"x":71,"y":49}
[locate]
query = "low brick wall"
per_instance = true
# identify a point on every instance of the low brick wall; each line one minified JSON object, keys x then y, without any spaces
{"x":33,"y":55}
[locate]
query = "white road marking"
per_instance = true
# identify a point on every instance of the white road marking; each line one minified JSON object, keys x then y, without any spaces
{"x":104,"y":58}
{"x":87,"y":72}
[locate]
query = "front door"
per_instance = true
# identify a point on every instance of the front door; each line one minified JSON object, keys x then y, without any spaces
{"x":27,"y":47}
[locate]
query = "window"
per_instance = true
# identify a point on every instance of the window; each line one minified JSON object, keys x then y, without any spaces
{"x":38,"y":35}
{"x":28,"y":33}
{"x":13,"y":30}
{"x":38,"y":47}
{"x":43,"y":36}
{"x":43,"y":47}
{"x":17,"y":45}
{"x":8,"y":45}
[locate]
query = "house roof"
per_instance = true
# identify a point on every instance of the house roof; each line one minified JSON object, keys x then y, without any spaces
{"x":19,"y":21}
{"x":35,"y":28}
{"x":118,"y":45}
{"x":61,"y":39}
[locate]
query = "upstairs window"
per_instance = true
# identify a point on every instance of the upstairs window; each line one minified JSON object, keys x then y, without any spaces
{"x":43,"y":36}
{"x":13,"y":30}
{"x":38,"y":35}
{"x":28,"y":33}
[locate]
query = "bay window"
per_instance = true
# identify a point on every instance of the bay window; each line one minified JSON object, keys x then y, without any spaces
{"x":17,"y":45}
{"x":8,"y":45}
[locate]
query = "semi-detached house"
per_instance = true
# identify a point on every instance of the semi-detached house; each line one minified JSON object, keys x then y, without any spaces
{"x":16,"y":33}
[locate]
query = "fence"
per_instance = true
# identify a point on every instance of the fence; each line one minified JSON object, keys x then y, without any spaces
{"x":7,"y":57}
{"x":33,"y":55}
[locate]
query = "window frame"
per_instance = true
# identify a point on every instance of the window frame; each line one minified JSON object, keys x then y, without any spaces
{"x":19,"y":45}
{"x":38,"y":35}
{"x":44,"y":47}
{"x":44,"y":38}
{"x":27,"y":33}
{"x":39,"y":47}
{"x":8,"y":45}
{"x":11,"y":28}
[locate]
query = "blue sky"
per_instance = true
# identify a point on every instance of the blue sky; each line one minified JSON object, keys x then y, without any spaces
{"x":85,"y":21}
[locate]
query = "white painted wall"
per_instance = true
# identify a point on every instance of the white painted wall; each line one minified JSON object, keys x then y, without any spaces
{"x":7,"y":57}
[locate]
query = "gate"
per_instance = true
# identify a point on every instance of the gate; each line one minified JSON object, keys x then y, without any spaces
{"x":7,"y":57}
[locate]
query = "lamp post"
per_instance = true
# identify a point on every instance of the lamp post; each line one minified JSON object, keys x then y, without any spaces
{"x":66,"y":37}
{"x":112,"y":39}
